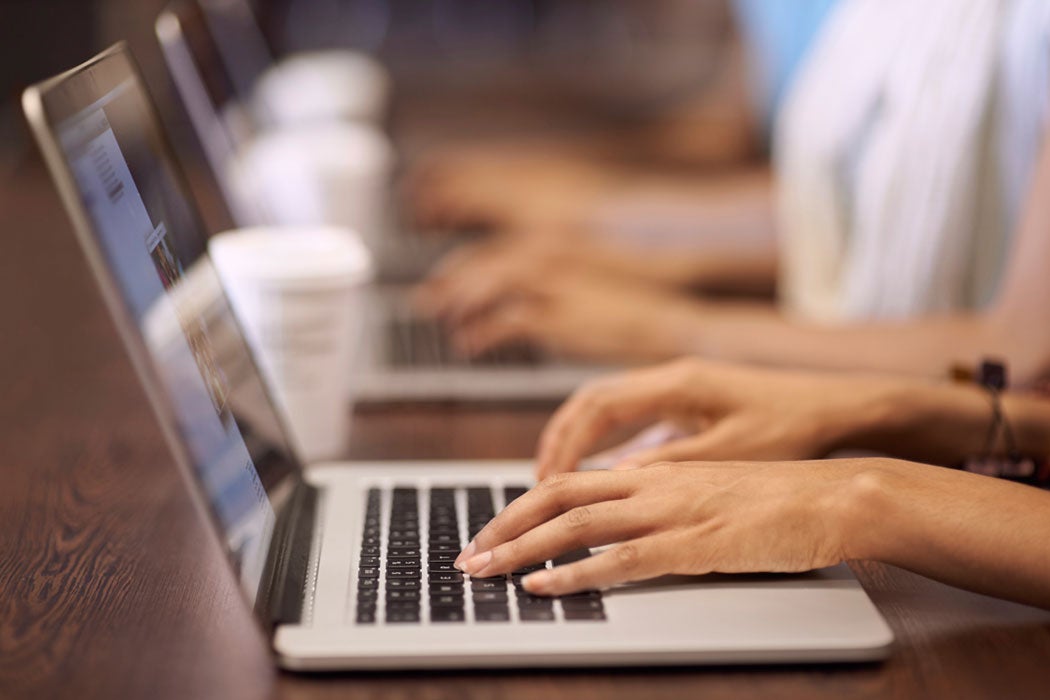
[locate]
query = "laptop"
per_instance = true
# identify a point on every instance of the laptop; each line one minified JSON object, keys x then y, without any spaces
{"x":410,"y":358}
{"x":349,"y":565}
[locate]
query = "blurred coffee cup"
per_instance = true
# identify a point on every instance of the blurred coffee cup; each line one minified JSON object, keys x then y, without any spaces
{"x":321,"y":86}
{"x":333,"y":174}
{"x":300,"y":295}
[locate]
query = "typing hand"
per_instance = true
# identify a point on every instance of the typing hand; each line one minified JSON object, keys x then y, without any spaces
{"x":689,"y":518}
{"x":718,"y":411}
{"x":584,"y":315}
{"x":500,"y":186}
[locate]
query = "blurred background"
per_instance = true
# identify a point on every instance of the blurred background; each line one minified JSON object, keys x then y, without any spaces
{"x":534,"y":65}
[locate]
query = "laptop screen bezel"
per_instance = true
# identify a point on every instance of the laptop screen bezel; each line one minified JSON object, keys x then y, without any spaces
{"x":48,"y":104}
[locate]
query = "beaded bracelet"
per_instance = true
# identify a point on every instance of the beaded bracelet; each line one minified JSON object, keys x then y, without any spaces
{"x":1009,"y":463}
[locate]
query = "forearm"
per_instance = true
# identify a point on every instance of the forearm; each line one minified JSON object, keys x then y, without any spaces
{"x":969,"y":531}
{"x":702,"y":233}
{"x":925,"y":347}
{"x":933,"y":422}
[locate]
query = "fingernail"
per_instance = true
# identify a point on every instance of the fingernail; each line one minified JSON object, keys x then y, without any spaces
{"x":626,"y":465}
{"x":475,"y":564}
{"x":467,"y":553}
{"x":537,"y":582}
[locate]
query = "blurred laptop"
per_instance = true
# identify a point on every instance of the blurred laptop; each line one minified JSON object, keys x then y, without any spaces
{"x":410,"y":356}
{"x":349,"y":566}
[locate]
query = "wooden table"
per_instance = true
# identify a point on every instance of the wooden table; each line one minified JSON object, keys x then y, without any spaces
{"x":106,"y":590}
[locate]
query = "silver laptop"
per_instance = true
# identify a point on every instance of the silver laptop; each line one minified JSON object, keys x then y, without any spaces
{"x":349,"y":566}
{"x":409,"y":357}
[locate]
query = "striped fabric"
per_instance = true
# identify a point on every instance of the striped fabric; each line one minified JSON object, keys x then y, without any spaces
{"x":903,"y":153}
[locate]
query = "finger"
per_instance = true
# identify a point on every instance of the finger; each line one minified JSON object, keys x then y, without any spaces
{"x":685,"y":450}
{"x":441,"y":288}
{"x":583,"y":526}
{"x":727,"y":440}
{"x":597,"y":409}
{"x":515,"y":321}
{"x":635,"y":560}
{"x":652,"y":437}
{"x":547,"y":500}
{"x":486,"y":290}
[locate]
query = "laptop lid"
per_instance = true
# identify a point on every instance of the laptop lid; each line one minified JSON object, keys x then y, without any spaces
{"x":221,"y":122}
{"x":114,"y":169}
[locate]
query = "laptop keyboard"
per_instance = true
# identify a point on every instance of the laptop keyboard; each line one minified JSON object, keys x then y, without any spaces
{"x":411,"y":581}
{"x":418,"y":342}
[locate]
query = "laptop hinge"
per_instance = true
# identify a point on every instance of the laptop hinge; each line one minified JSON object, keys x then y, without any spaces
{"x":280,"y":599}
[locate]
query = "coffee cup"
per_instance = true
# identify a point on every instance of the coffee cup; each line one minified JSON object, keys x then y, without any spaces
{"x":300,"y":296}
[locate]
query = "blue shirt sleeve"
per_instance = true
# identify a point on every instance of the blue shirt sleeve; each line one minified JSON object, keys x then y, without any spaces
{"x":777,"y":35}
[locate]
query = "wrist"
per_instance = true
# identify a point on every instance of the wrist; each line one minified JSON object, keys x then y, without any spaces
{"x":861,"y":414}
{"x":865,"y":512}
{"x":931,"y":422}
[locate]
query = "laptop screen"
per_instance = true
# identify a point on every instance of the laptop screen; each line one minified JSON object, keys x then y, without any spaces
{"x":154,"y":248}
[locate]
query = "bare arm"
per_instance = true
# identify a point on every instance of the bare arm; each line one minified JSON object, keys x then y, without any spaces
{"x":1015,"y":327}
{"x":969,"y":531}
{"x":731,"y":412}
{"x":699,"y":517}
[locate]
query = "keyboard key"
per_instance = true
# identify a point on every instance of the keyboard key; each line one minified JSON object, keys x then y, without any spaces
{"x":491,"y":612}
{"x":396,"y":606}
{"x":402,"y":594}
{"x":402,"y":573}
{"x":444,"y":538}
{"x":443,"y":588}
{"x":488,"y":584}
{"x":581,"y":604}
{"x":584,"y":615}
{"x":583,"y":594}
{"x":446,"y":577}
{"x":445,"y":547}
{"x":447,"y":614}
{"x":446,"y":599}
{"x":400,"y":617}
{"x":436,"y":567}
{"x":403,"y":584}
{"x":536,"y":614}
{"x":490,"y":596}
{"x":402,"y":562}
{"x":368,"y":561}
{"x":366,"y":572}
{"x":526,"y":570}
{"x":366,"y":584}
{"x":366,"y":616}
{"x":367,"y":596}
{"x":512,"y":493}
{"x":534,"y":601}
{"x":573,"y":556}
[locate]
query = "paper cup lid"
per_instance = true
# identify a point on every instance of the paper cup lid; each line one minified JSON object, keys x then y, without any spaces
{"x":307,"y":256}
{"x":340,"y":147}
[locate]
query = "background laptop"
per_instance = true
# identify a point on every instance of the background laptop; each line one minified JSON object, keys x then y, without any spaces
{"x":348,"y":566}
{"x":409,"y":357}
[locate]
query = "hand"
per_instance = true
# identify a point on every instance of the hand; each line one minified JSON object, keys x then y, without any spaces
{"x":476,"y":276}
{"x":691,"y":518}
{"x":500,"y":186}
{"x":718,"y":411}
{"x":584,"y":315}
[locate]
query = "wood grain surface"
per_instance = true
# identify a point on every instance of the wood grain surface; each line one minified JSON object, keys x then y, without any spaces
{"x":111,"y":588}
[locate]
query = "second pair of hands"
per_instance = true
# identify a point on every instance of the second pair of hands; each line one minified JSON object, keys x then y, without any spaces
{"x":663,"y":511}
{"x":548,"y":293}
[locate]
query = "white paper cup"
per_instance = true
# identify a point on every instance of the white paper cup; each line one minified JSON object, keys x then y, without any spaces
{"x":300,"y":295}
{"x":336,"y":175}
{"x":321,"y":86}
